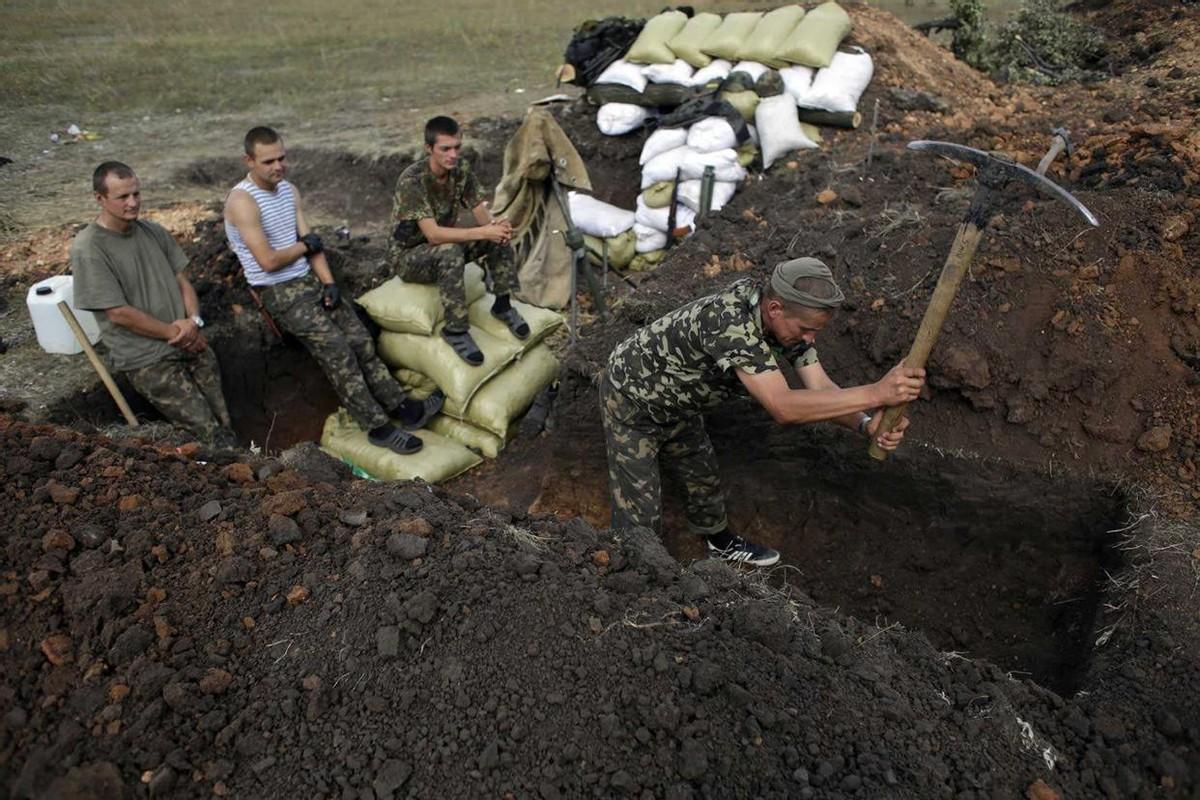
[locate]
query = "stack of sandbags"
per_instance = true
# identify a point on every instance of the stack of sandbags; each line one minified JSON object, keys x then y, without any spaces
{"x":481,"y":401}
{"x":440,"y":459}
{"x":607,"y":230}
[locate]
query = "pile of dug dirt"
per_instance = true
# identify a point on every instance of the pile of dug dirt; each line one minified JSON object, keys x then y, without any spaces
{"x":254,"y":631}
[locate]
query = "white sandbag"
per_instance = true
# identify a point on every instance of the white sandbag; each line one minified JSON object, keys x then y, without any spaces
{"x":596,"y":217}
{"x":405,"y":307}
{"x":657,"y":218}
{"x":752,"y":68}
{"x":717,"y":70}
{"x":797,"y":81}
{"x":616,"y":119}
{"x":711,"y":133}
{"x":779,"y":128}
{"x":625,"y":74}
{"x":648,"y":239}
{"x":661,"y":141}
{"x":724,"y":163}
{"x":664,"y":165}
{"x":753,"y":134}
{"x":689,"y":194}
{"x":678,"y":72}
{"x":838,"y":86}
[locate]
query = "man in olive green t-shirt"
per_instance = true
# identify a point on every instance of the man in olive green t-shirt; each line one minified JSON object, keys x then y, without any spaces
{"x":132,"y":271}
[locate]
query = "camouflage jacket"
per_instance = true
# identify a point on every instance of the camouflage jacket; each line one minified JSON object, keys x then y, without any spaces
{"x":684,"y":363}
{"x":419,"y":196}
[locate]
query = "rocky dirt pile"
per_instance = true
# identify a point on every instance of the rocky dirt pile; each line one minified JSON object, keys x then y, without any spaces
{"x":259,"y":631}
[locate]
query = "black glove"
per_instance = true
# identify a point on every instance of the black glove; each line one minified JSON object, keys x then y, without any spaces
{"x":331,"y":295}
{"x":312,"y":244}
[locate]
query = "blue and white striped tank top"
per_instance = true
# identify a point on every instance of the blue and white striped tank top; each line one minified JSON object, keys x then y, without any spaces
{"x":277,"y":211}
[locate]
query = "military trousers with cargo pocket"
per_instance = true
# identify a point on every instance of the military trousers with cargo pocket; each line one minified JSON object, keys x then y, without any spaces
{"x":444,"y":264}
{"x":341,"y":345}
{"x":636,"y":444}
{"x":185,"y":388}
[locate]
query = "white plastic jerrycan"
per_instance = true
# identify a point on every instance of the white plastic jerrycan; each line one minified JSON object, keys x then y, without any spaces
{"x":53,"y":332}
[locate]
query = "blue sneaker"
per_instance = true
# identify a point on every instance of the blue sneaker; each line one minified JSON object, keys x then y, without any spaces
{"x":740,"y":551}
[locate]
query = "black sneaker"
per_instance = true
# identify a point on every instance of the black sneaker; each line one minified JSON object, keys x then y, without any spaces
{"x":464,"y":345}
{"x":394,"y":439}
{"x":740,"y":551}
{"x":513,"y":320}
{"x":429,"y":407}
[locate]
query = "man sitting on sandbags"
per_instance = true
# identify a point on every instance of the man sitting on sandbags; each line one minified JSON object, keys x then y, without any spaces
{"x":283,"y":260}
{"x":429,"y":247}
{"x":131,"y":272}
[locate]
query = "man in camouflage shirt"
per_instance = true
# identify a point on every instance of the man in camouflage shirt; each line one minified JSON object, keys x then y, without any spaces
{"x":660,"y":381}
{"x":429,"y":247}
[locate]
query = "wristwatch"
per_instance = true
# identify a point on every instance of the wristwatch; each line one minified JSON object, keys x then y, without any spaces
{"x":196,"y":318}
{"x":863,"y":422}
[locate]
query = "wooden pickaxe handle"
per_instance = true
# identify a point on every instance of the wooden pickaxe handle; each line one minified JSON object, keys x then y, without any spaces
{"x":97,"y":364}
{"x":957,"y":264}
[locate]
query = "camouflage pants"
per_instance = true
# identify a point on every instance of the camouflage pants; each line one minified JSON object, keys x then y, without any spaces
{"x":634,"y":442}
{"x":185,"y":388}
{"x":443,"y":264}
{"x":340,"y":344}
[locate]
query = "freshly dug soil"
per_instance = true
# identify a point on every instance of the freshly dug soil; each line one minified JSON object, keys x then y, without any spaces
{"x":255,"y":631}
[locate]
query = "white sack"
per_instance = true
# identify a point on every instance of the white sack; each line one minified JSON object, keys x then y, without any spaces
{"x":797,"y":81}
{"x":657,"y":218}
{"x":717,"y":70}
{"x":711,"y":133}
{"x":779,"y":128}
{"x":724,"y":162}
{"x":689,"y":194}
{"x":753,"y":133}
{"x":838,"y":86}
{"x":615,"y":119}
{"x":679,"y":72}
{"x":648,"y":239}
{"x":661,"y":141}
{"x":663,"y":166}
{"x":624,"y":73}
{"x":598,"y":218}
{"x":752,"y":68}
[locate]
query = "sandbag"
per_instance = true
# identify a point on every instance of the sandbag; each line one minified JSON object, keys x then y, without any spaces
{"x":689,"y":194}
{"x":747,"y":153}
{"x":415,"y":385}
{"x":657,"y":218}
{"x":597,"y":217}
{"x":716,"y":71}
{"x":658,"y":195}
{"x":510,"y":393}
{"x":726,"y":41}
{"x":745,"y":101}
{"x":542,"y":322}
{"x":661,"y":141}
{"x":724,"y":162}
{"x":711,"y":133}
{"x":677,"y":72}
{"x":404,"y":307}
{"x":797,"y":81}
{"x":433,"y":356}
{"x":651,"y":45}
{"x":811,"y":131}
{"x":485,"y":443}
{"x":766,"y":40}
{"x":779,"y":128}
{"x":616,"y":119}
{"x":817,"y":36}
{"x":648,"y":239}
{"x":623,"y":73}
{"x":621,"y":249}
{"x":752,"y":68}
{"x":439,"y":459}
{"x":663,"y":166}
{"x":839,"y":86}
{"x":647,"y":262}
{"x":654,"y":96}
{"x":687,"y":43}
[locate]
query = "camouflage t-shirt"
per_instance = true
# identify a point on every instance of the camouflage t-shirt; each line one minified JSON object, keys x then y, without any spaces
{"x":684,"y":363}
{"x":419,"y":196}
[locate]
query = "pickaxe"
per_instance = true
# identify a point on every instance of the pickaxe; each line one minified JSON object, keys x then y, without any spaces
{"x":1061,"y":141}
{"x":994,"y":173}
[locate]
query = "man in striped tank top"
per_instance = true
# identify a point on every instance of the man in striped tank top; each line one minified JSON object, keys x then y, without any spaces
{"x":283,"y":261}
{"x":429,"y":247}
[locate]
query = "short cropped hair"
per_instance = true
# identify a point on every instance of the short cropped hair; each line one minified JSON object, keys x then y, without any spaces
{"x":100,"y":176}
{"x":440,"y":126}
{"x":259,"y":135}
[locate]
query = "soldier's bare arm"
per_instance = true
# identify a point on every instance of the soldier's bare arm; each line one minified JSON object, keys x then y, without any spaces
{"x":814,"y":376}
{"x":498,"y":232}
{"x":189,"y":337}
{"x":483,"y":216}
{"x":242,"y":212}
{"x":797,"y":406}
{"x":141,"y":323}
{"x":317,"y":260}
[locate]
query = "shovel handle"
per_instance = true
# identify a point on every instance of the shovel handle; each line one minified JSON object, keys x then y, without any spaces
{"x":97,"y":364}
{"x":957,"y":263}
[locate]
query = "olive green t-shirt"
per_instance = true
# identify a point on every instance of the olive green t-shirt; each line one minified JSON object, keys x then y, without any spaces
{"x":136,"y":269}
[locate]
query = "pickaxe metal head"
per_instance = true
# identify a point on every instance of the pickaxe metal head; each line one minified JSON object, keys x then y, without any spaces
{"x":995,"y":172}
{"x":1062,"y":133}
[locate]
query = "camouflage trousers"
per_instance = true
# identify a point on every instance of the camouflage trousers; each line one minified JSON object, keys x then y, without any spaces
{"x":185,"y":388}
{"x":635,"y":442}
{"x":444,"y":265}
{"x":341,"y":345}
